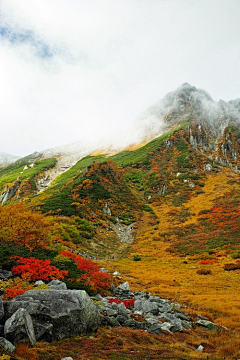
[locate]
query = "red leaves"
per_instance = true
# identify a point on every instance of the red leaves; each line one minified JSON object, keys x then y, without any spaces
{"x":208,"y":261}
{"x":82,"y":263}
{"x":16,"y":290}
{"x":93,"y":277}
{"x":35,"y":269}
{"x":128,"y":303}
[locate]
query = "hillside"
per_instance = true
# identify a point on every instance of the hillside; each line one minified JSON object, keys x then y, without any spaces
{"x":165,"y":215}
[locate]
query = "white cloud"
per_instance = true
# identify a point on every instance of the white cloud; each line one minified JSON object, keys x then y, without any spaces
{"x":106,"y":62}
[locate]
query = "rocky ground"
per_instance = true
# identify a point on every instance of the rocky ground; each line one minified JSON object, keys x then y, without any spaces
{"x":59,"y":313}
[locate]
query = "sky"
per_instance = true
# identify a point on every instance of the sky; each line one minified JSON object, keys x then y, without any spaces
{"x":76,"y":70}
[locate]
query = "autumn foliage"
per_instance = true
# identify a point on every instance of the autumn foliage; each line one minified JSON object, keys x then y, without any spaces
{"x":22,"y":226}
{"x":32,"y":269}
{"x":92,"y":276}
{"x":129,"y":303}
{"x":10,"y":293}
{"x":208,"y":261}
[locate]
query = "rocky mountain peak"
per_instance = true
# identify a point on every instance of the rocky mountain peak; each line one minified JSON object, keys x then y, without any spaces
{"x":188,"y":103}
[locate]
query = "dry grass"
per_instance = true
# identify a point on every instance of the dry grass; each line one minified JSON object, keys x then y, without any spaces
{"x":168,"y":275}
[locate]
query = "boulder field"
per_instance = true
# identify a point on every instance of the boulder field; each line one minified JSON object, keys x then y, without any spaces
{"x":60,"y":313}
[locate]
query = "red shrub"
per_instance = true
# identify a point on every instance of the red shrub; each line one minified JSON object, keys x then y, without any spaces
{"x":92,"y":277}
{"x":208,"y":261}
{"x":35,"y":269}
{"x":128,"y":303}
{"x":16,"y":290}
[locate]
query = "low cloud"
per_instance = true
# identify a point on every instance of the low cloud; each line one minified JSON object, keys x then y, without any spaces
{"x":79,"y":71}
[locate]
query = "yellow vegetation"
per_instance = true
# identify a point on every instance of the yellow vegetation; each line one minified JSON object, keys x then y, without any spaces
{"x":175,"y":277}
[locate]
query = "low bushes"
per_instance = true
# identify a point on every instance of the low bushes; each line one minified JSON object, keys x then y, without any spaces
{"x":204,"y":271}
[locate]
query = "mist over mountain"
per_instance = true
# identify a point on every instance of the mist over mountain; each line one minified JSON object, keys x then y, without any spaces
{"x":185,"y":103}
{"x":6,"y":159}
{"x":189,"y":103}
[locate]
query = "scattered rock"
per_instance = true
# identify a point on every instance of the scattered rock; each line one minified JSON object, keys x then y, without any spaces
{"x":5,"y":274}
{"x":116,"y":273}
{"x":157,"y":315}
{"x":39,"y":282}
{"x":207,"y":325}
{"x":124,"y":287}
{"x":59,"y":313}
{"x":57,"y":285}
{"x":6,"y":345}
{"x":20,"y":327}
{"x":200,"y":348}
{"x":207,"y":167}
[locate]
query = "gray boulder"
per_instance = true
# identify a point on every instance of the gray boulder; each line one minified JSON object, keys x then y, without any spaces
{"x":6,"y":345}
{"x":28,"y":303}
{"x":155,"y":328}
{"x":150,"y":308}
{"x":122,"y":310}
{"x":138,"y":305}
{"x":207,"y":325}
{"x":70,"y":312}
{"x":5,"y":274}
{"x":57,"y":285}
{"x":176,"y":325}
{"x":20,"y":327}
{"x":124,"y":287}
{"x":111,"y":321}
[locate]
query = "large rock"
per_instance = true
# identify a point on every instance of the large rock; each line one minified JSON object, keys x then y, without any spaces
{"x":6,"y":345}
{"x":20,"y":327}
{"x":207,"y":325}
{"x":57,"y":285}
{"x":58,"y":314}
{"x":150,"y":308}
{"x":32,"y":306}
{"x":124,"y":287}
